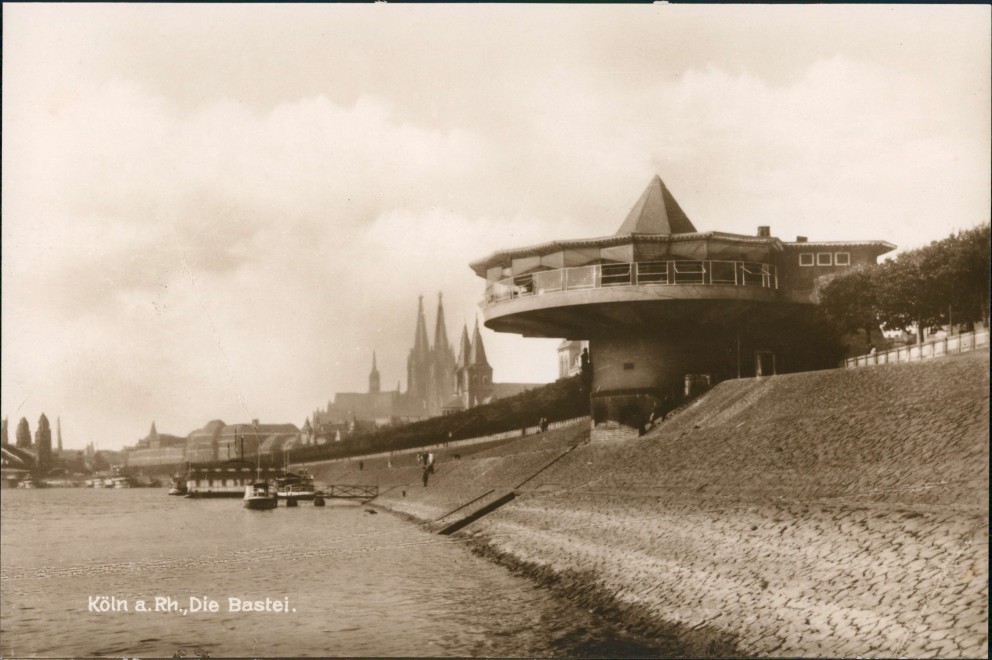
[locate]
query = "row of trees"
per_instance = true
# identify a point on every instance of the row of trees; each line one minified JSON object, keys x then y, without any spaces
{"x":944,"y":283}
{"x":556,"y":401}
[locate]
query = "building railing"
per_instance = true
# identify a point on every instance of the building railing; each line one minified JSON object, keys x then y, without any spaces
{"x":671,"y":273}
{"x":949,"y":345}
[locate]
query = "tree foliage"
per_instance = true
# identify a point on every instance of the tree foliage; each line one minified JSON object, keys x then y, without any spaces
{"x":851,"y":301}
{"x":557,"y":401}
{"x":942,"y":283}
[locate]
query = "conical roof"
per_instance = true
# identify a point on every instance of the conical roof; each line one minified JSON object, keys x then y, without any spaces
{"x":656,"y":212}
{"x":440,"y":328}
{"x":477,"y":356}
{"x":420,"y":346}
{"x":464,"y":348}
{"x":375,"y":370}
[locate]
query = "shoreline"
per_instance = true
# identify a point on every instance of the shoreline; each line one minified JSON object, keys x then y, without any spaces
{"x":838,"y":513}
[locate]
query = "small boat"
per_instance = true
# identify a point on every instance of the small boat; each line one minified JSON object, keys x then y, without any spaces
{"x":31,"y":482}
{"x":295,"y":487}
{"x":177,"y":486}
{"x":258,"y":496}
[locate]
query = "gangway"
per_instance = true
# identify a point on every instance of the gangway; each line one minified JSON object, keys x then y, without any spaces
{"x":348,"y":491}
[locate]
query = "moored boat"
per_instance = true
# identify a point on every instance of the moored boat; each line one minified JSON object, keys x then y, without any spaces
{"x":295,"y":486}
{"x":177,"y":486}
{"x":258,"y":496}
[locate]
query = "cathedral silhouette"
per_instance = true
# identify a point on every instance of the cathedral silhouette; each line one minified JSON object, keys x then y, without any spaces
{"x":438,"y":383}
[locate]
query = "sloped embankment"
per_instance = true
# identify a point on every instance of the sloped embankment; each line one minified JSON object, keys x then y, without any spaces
{"x":818,"y":514}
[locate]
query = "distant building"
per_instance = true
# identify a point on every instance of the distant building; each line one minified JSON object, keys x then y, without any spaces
{"x":43,"y":443}
{"x":156,"y":449}
{"x":570,"y":357}
{"x":437,"y":383}
{"x":218,"y":441}
{"x":474,"y":377}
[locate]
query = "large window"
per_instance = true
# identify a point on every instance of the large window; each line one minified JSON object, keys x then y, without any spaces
{"x":805,"y":258}
{"x":842,"y":259}
{"x":824,"y":259}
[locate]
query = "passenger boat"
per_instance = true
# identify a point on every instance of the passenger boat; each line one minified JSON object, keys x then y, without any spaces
{"x":258,"y":496}
{"x":295,"y":486}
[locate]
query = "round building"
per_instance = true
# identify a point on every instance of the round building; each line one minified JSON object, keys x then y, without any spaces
{"x":666,"y":308}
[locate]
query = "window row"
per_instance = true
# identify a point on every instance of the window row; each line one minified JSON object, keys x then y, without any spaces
{"x":825,"y":259}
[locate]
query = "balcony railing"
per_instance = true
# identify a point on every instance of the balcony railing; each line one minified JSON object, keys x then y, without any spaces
{"x":670,"y":273}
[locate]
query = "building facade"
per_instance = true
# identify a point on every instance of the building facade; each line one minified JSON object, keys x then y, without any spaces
{"x":662,"y":304}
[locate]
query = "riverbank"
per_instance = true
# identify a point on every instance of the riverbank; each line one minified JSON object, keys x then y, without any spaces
{"x":826,"y":513}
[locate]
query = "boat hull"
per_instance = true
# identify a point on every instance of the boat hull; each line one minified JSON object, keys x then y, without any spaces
{"x":210,"y":494}
{"x":303,"y":495}
{"x":261,"y":503}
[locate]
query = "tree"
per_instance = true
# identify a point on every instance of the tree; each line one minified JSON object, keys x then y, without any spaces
{"x":850,"y":301}
{"x":23,"y":435}
{"x":938,"y":284}
{"x":909,"y":293}
{"x":964,"y":270}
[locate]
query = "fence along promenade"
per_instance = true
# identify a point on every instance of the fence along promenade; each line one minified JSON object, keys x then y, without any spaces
{"x":932,"y":348}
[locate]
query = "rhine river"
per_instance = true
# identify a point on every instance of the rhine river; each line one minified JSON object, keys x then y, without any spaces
{"x":355,"y":584}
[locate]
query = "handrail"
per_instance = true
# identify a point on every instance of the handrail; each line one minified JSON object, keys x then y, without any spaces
{"x":932,"y":348}
{"x":639,"y":273}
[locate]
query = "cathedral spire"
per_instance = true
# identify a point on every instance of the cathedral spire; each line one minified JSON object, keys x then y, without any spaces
{"x":420,"y":345}
{"x":418,"y":362}
{"x":374,"y":377}
{"x":440,"y":328}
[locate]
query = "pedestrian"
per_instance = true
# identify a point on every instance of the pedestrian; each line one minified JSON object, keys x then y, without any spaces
{"x":430,"y":462}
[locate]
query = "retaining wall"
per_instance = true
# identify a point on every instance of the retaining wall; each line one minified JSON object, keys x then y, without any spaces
{"x":834,"y":513}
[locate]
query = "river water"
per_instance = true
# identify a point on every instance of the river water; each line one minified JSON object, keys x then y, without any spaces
{"x":354,"y":583}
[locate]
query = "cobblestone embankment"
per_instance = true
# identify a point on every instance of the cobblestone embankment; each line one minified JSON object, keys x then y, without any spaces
{"x":836,"y":513}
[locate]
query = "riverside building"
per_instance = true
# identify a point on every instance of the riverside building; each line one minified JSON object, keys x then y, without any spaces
{"x":663,"y":304}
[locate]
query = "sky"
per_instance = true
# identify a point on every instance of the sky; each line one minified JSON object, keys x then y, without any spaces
{"x":220,"y":211}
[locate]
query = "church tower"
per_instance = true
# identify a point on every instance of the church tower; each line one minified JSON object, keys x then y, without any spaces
{"x":418,"y":363}
{"x":442,"y":378}
{"x":475,"y":375}
{"x":58,"y":432}
{"x":374,"y":377}
{"x":43,"y":443}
